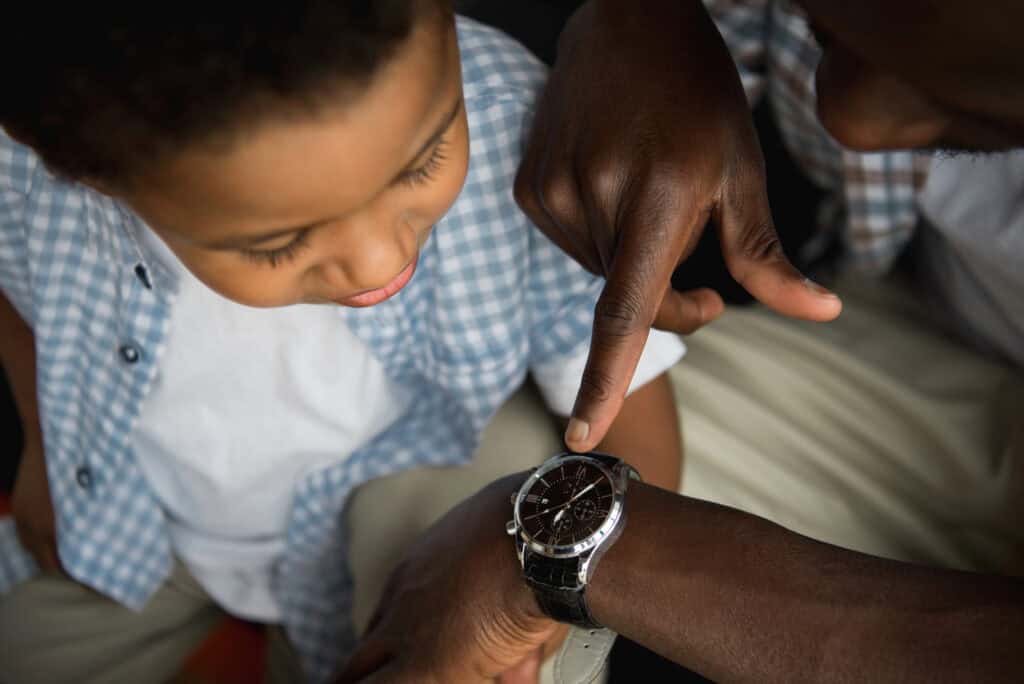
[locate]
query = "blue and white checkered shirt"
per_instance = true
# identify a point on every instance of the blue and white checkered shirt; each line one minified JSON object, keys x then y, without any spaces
{"x":871,"y":205}
{"x":492,"y":299}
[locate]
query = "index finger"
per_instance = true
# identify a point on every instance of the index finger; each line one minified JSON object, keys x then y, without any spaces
{"x":640,"y":276}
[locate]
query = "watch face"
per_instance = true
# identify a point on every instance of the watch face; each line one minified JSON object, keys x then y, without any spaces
{"x":566,"y":505}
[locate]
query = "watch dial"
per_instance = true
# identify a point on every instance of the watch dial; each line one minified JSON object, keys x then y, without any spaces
{"x":567,"y":504}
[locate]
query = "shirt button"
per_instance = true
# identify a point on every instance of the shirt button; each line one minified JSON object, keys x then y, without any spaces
{"x":143,"y":275}
{"x":130,"y":353}
{"x":83,"y":476}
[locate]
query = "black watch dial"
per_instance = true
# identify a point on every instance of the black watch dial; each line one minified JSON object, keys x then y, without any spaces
{"x":567,"y":504}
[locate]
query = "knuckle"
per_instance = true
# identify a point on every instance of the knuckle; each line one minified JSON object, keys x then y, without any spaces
{"x":597,"y":385}
{"x":523,"y":191}
{"x":546,"y":194}
{"x":605,"y":178}
{"x":559,"y":198}
{"x":760,"y":243}
{"x":619,"y":314}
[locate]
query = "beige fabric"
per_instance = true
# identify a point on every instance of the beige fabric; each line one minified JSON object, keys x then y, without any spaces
{"x":874,"y":432}
{"x":53,"y":630}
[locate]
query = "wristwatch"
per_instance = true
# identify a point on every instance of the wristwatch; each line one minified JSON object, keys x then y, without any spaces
{"x":567,"y":514}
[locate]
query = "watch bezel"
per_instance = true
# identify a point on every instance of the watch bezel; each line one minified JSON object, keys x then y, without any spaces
{"x":604,"y":530}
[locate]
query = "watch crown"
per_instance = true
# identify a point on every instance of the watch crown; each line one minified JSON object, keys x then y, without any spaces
{"x":512,"y":499}
{"x":510,"y":527}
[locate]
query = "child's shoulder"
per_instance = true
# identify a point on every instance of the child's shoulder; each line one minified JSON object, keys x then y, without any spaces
{"x":54,"y":210}
{"x":495,"y":66}
{"x":18,"y":165}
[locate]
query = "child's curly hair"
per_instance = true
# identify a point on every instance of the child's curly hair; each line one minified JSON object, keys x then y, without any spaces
{"x":102,"y":94}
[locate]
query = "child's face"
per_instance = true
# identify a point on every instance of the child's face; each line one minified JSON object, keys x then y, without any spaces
{"x":329,"y":209}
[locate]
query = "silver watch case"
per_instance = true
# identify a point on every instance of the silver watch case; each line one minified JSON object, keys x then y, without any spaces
{"x":590,"y":549}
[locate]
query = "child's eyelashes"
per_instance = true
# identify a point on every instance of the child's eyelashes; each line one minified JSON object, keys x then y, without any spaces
{"x":425,"y":173}
{"x":421,"y":175}
{"x":274,"y":257}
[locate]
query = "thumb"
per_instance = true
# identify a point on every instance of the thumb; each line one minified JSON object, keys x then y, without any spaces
{"x":754,"y":256}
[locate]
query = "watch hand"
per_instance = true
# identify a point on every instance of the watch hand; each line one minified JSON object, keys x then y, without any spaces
{"x":584,"y":490}
{"x":548,"y":510}
{"x":558,"y":516}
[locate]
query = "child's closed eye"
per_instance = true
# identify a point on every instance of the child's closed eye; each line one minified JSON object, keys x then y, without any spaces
{"x":275,"y":256}
{"x":424,"y":173}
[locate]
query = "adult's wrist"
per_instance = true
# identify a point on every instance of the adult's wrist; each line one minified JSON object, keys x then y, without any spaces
{"x":621,"y":581}
{"x":519,"y":599}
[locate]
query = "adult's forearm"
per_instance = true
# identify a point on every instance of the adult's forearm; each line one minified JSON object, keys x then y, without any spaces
{"x":736,"y":597}
{"x":18,"y":358}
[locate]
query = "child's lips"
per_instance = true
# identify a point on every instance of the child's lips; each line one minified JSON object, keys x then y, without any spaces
{"x":373,"y":297}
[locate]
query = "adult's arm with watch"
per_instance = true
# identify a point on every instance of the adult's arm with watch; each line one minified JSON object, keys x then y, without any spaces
{"x":725,"y":593}
{"x":642,"y":136}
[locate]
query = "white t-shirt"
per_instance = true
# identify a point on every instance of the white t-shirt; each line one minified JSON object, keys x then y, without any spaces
{"x":249,"y":401}
{"x":973,"y":249}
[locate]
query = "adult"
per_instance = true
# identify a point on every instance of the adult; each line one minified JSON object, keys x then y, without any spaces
{"x":613,"y":181}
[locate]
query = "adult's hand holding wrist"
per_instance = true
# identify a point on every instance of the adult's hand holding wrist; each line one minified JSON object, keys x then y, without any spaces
{"x":457,"y":608}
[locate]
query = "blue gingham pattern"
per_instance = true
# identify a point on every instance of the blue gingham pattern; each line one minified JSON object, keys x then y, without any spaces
{"x":492,"y":298}
{"x":871,"y":203}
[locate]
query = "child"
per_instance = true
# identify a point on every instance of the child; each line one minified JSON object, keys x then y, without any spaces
{"x":248,"y":265}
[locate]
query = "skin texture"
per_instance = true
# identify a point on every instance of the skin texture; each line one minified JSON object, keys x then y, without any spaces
{"x":371,"y":199}
{"x":639,"y":144}
{"x":723,"y":592}
{"x":728,"y":594}
{"x":892,"y":78}
{"x":636,"y":147}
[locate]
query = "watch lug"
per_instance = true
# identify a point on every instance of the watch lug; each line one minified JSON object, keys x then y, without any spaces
{"x":584,"y":571}
{"x":521,"y":551}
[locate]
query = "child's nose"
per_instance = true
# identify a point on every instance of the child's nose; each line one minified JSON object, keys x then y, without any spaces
{"x":371,"y":258}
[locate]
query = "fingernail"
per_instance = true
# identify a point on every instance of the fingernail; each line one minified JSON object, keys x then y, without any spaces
{"x":577,"y":430}
{"x":818,"y":289}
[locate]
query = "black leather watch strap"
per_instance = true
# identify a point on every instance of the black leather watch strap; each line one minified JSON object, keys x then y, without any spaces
{"x":555,"y":583}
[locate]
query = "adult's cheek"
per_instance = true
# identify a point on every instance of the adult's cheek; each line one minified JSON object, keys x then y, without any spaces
{"x":868,"y":110}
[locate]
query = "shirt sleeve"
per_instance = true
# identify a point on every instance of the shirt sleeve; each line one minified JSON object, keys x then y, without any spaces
{"x":744,"y":27}
{"x":559,"y":383}
{"x":17,"y":164}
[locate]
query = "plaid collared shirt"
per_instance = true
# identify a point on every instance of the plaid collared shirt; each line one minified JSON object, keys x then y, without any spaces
{"x":871,"y":205}
{"x":492,"y":298}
